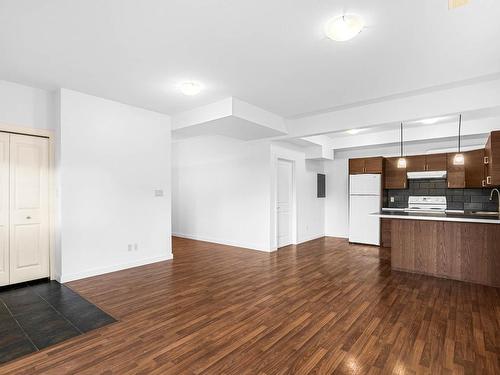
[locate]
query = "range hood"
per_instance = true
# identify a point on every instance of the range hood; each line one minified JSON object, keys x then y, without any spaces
{"x":426,"y":175}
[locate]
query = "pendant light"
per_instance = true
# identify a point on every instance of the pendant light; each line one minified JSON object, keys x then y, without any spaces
{"x":459,"y":159}
{"x":401,"y":160}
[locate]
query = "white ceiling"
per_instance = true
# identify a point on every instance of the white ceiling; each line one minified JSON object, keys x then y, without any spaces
{"x":271,"y":53}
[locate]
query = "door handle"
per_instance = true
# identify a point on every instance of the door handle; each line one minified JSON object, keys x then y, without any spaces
{"x":28,"y":217}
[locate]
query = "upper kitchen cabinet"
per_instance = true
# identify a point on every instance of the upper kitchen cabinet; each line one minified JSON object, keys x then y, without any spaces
{"x":475,"y":169}
{"x":415,"y":163}
{"x":456,"y":173}
{"x":492,"y":159}
{"x":356,"y":166}
{"x":435,"y":162}
{"x":394,"y":177}
{"x":422,"y":163}
{"x":366,"y":165}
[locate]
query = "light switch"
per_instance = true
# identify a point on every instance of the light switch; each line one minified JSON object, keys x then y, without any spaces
{"x":158,"y":193}
{"x":392,"y":199}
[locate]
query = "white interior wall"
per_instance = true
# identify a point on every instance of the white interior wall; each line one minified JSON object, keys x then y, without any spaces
{"x":310,"y":210}
{"x":337,"y":194}
{"x":26,"y":106}
{"x":113,"y":158}
{"x":221,"y":191}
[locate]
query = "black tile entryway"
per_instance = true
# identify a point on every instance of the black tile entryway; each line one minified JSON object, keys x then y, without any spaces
{"x":39,"y":314}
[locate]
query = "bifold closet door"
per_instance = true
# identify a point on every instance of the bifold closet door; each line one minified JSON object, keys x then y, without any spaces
{"x":29,"y":208}
{"x":4,"y":209}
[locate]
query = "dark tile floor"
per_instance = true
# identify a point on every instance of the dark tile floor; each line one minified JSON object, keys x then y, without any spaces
{"x":39,"y":314}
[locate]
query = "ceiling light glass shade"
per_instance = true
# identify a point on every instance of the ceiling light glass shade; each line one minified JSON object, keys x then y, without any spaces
{"x":401,"y":163}
{"x":190,"y":88}
{"x":343,"y":28}
{"x":354,"y":131}
{"x":459,"y":159}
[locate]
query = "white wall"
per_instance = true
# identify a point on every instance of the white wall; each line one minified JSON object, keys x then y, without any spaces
{"x":221,"y":191}
{"x":310,"y":208}
{"x":112,"y":159}
{"x":26,"y":106}
{"x":337,"y":201}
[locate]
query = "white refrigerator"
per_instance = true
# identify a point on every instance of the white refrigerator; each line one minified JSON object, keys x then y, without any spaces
{"x":364,"y":199}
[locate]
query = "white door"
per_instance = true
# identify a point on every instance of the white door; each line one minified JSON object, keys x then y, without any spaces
{"x":29,"y":211}
{"x":4,"y":209}
{"x":285,"y":203}
{"x":364,"y":227}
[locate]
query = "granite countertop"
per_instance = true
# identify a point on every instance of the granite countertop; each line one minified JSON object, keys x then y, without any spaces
{"x":400,"y":213}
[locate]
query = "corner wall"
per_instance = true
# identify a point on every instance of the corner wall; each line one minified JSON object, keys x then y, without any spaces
{"x":221,"y":191}
{"x":112,"y":159}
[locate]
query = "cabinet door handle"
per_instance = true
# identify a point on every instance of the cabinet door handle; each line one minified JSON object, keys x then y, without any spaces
{"x":486,"y":160}
{"x":483,"y":183}
{"x":488,"y":180}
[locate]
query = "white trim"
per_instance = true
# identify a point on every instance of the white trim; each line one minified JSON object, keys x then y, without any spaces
{"x":310,"y":238}
{"x":248,"y":246}
{"x":113,"y":268}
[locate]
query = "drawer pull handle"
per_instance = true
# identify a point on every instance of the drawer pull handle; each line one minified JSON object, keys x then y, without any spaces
{"x":488,"y":180}
{"x":486,"y":160}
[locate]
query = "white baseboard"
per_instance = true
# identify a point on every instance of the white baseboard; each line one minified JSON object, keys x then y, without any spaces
{"x":310,"y":238}
{"x":244,"y":245}
{"x":118,"y":267}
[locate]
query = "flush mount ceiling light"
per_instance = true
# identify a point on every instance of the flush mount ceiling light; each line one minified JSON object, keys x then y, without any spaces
{"x":354,"y":131}
{"x":344,"y":27}
{"x":459,"y":158}
{"x":402,"y":159}
{"x":430,"y":121}
{"x":190,"y":88}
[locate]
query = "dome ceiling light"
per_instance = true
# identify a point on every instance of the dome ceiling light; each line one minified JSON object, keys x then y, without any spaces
{"x":343,"y":28}
{"x":190,"y":88}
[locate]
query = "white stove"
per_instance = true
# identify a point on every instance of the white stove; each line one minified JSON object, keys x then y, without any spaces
{"x":426,"y":204}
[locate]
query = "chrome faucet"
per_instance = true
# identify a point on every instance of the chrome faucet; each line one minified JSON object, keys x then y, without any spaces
{"x":498,"y":194}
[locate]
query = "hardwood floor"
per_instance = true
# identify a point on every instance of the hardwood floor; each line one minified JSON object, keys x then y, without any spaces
{"x":323,"y":307}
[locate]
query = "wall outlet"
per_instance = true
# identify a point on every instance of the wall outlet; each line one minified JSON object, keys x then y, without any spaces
{"x":136,"y":247}
{"x":129,"y":247}
{"x":392,"y":199}
{"x":158,"y":193}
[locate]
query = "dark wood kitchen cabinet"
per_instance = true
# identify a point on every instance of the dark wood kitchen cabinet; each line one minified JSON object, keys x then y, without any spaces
{"x":456,"y":173}
{"x":394,"y":177}
{"x":356,"y":166}
{"x":415,"y":163}
{"x":366,"y":165}
{"x":492,"y":159}
{"x":435,"y":162}
{"x":475,"y":169}
{"x":422,"y":163}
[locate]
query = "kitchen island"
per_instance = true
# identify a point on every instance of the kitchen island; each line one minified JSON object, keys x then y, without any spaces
{"x":454,"y":245}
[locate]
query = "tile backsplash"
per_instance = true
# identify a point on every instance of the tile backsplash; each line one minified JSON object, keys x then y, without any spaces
{"x":457,"y":199}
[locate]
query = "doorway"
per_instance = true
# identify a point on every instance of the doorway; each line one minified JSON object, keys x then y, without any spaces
{"x":285,"y":202}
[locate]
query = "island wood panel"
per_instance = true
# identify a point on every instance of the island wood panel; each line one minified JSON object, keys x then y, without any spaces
{"x":461,"y":251}
{"x":385,"y":232}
